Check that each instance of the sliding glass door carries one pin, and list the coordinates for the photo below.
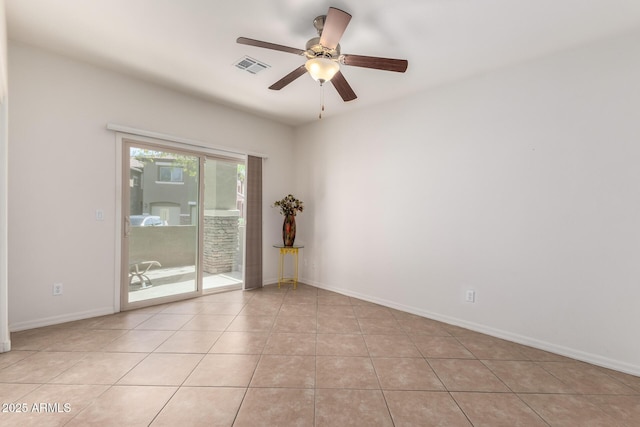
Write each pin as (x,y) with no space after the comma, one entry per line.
(183,224)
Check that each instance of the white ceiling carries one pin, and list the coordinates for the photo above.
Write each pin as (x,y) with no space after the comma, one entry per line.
(190,45)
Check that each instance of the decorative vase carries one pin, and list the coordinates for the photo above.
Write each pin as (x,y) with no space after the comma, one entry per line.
(289,230)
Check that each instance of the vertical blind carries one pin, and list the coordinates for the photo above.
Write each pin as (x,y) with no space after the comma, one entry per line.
(253,260)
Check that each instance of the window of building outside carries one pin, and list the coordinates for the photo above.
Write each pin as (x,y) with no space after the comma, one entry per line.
(170,174)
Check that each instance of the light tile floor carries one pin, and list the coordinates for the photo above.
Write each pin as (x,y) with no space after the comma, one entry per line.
(307,357)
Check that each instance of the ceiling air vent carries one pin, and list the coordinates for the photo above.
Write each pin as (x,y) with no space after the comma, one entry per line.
(251,65)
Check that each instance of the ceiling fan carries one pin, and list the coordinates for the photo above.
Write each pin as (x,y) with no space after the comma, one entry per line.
(324,57)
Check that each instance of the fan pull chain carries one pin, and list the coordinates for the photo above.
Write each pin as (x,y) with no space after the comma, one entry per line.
(321,101)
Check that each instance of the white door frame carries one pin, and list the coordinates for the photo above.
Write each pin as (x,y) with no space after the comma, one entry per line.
(171,143)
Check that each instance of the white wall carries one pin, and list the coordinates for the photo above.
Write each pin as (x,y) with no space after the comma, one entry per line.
(521,184)
(5,343)
(62,168)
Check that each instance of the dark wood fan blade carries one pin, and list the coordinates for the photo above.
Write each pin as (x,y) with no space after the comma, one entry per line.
(288,78)
(387,64)
(343,88)
(267,45)
(334,26)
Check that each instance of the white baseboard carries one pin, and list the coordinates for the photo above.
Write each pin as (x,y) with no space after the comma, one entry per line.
(55,320)
(266,282)
(5,346)
(591,358)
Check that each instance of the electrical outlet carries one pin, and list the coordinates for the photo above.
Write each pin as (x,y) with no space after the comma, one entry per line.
(57,289)
(99,215)
(470,296)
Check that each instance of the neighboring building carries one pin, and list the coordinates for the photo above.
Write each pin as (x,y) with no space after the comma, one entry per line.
(135,186)
(164,181)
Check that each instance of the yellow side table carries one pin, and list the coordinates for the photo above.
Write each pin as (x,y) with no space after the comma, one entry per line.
(284,250)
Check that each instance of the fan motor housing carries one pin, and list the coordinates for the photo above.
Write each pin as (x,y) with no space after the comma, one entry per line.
(314,50)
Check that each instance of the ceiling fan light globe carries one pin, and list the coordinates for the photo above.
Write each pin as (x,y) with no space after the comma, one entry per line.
(322,69)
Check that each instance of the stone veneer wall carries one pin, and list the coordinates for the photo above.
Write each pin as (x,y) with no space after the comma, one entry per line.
(220,243)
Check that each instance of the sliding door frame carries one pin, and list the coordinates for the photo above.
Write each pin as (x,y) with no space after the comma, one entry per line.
(123,140)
